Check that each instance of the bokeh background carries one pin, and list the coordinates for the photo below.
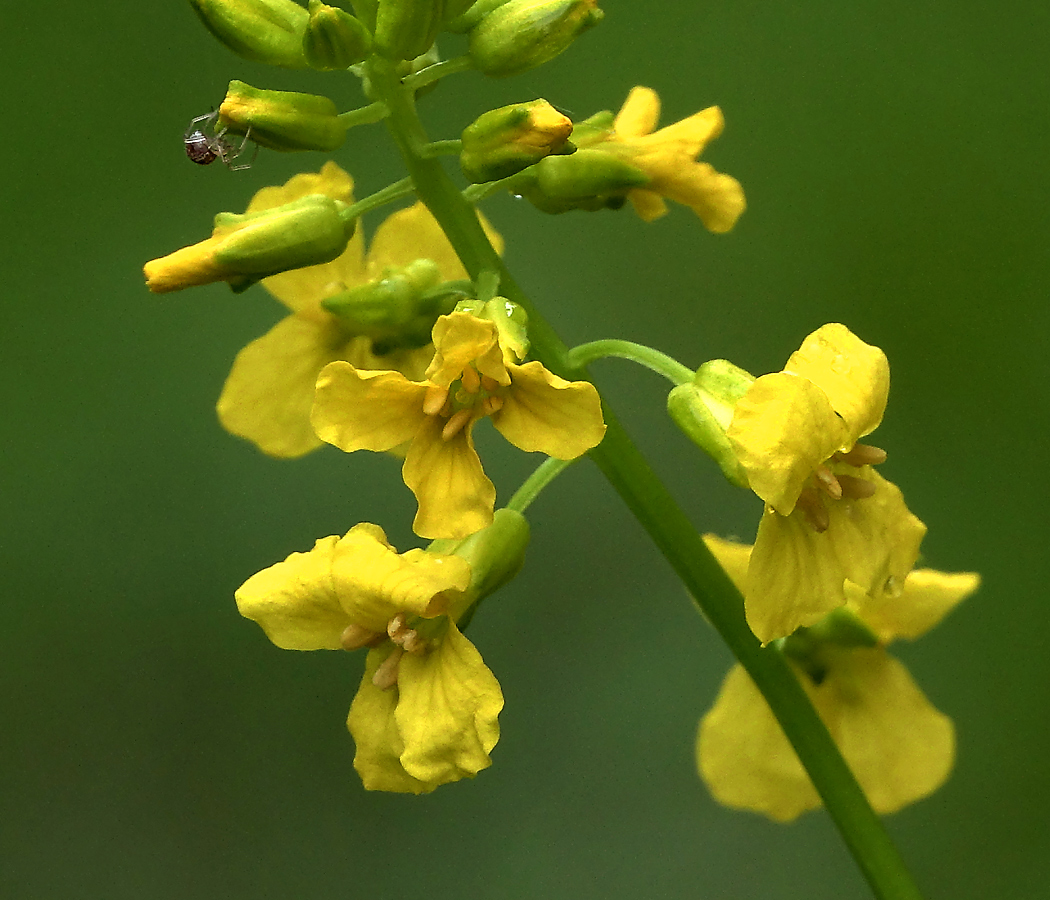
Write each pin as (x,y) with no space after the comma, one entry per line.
(154,744)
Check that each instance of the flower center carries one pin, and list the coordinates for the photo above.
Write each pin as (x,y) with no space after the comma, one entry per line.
(825,484)
(470,397)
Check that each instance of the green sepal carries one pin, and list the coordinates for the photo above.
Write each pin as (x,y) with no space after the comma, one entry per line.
(266,31)
(522,34)
(366,11)
(334,39)
(282,120)
(814,648)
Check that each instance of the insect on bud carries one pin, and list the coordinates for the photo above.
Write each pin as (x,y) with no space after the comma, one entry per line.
(522,34)
(282,120)
(504,141)
(334,39)
(266,31)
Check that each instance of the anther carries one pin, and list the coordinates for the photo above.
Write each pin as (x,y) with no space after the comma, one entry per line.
(355,636)
(470,379)
(828,482)
(490,405)
(812,508)
(489,384)
(862,455)
(455,424)
(386,675)
(856,488)
(396,626)
(434,399)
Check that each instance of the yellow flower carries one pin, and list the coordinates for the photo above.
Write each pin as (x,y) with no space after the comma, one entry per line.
(270,389)
(472,376)
(426,711)
(668,158)
(829,515)
(899,747)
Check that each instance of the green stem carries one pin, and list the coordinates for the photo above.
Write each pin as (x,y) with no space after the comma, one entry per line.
(582,356)
(365,115)
(667,525)
(531,487)
(475,192)
(443,148)
(437,71)
(389,194)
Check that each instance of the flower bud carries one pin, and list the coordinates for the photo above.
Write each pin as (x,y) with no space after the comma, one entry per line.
(282,120)
(475,12)
(246,248)
(267,31)
(406,29)
(334,39)
(704,408)
(522,34)
(588,179)
(504,141)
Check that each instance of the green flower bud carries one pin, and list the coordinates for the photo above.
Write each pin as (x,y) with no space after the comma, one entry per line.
(399,309)
(282,120)
(334,39)
(267,31)
(588,180)
(366,11)
(406,29)
(522,34)
(504,141)
(474,14)
(246,248)
(704,408)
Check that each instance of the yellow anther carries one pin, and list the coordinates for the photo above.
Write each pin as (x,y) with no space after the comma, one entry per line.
(491,405)
(856,488)
(456,424)
(434,399)
(354,637)
(813,509)
(471,380)
(862,455)
(828,483)
(386,675)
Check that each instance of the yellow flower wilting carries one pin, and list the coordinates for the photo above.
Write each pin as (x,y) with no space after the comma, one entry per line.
(426,711)
(899,747)
(668,157)
(270,389)
(473,375)
(829,516)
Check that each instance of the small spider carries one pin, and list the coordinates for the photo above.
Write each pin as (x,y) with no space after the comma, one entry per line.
(204,145)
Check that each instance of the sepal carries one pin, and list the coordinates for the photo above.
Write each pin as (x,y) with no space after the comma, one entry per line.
(266,31)
(334,39)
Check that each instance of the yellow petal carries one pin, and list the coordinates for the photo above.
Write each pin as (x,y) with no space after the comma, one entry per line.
(732,556)
(928,596)
(542,412)
(455,497)
(782,429)
(357,410)
(691,134)
(794,578)
(447,711)
(296,601)
(898,745)
(379,744)
(462,339)
(744,757)
(186,267)
(649,205)
(270,389)
(875,539)
(716,198)
(639,114)
(331,181)
(855,376)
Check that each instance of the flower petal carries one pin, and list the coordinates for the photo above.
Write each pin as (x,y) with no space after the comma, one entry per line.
(782,429)
(462,339)
(649,205)
(270,389)
(928,596)
(447,711)
(794,578)
(718,199)
(744,757)
(374,728)
(455,497)
(732,556)
(542,412)
(855,376)
(296,601)
(369,410)
(639,114)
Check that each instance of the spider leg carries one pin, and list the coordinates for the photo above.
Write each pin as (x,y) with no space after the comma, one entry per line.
(210,116)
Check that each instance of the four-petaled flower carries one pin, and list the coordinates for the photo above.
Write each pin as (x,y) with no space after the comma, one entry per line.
(829,516)
(270,389)
(472,375)
(426,711)
(899,747)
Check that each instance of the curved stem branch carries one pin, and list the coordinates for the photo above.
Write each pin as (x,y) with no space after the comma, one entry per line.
(583,355)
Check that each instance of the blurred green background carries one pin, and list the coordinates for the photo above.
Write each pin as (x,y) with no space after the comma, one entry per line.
(154,744)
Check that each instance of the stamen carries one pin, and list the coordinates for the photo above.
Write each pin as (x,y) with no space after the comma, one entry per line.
(470,379)
(862,455)
(454,425)
(355,636)
(386,675)
(396,626)
(828,483)
(490,405)
(489,384)
(812,508)
(856,488)
(434,399)
(412,642)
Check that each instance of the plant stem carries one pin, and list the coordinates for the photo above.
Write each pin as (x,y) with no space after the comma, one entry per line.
(389,194)
(582,356)
(364,115)
(668,526)
(530,488)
